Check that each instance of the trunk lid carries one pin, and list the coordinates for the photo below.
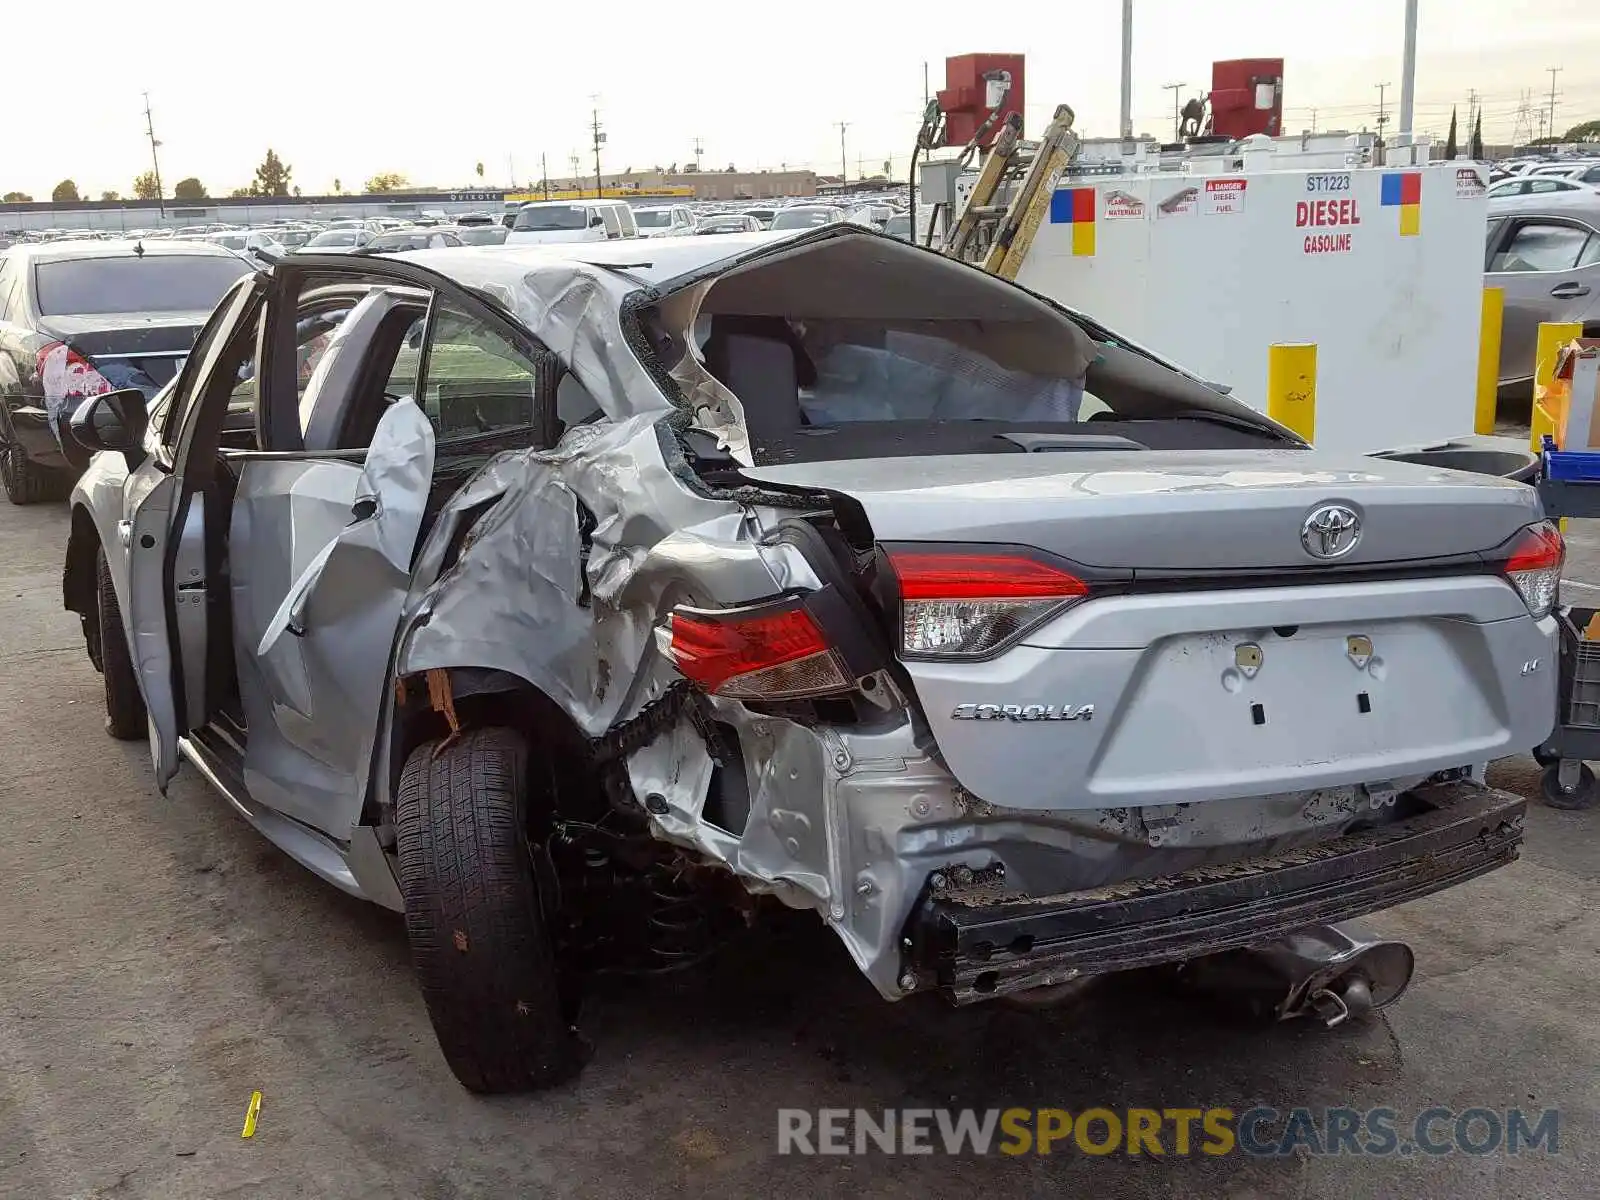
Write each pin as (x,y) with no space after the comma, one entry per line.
(1172,510)
(130,350)
(1248,668)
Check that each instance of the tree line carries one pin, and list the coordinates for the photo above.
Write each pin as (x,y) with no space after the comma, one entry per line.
(273,177)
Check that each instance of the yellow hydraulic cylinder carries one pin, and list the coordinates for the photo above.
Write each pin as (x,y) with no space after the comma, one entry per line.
(1494,309)
(1292,386)
(1552,336)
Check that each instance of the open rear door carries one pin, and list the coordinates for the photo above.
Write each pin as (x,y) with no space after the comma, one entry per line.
(169,567)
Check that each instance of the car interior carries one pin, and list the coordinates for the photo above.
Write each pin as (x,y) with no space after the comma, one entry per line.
(836,355)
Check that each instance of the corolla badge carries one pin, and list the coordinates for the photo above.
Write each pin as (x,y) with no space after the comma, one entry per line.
(1023,712)
(1331,531)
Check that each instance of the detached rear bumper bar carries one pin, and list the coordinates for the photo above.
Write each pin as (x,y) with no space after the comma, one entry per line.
(977,947)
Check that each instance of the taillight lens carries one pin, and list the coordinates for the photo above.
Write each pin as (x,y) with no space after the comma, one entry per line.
(961,604)
(66,377)
(767,652)
(1534,566)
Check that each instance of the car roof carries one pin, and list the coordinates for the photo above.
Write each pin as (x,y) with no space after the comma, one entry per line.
(63,251)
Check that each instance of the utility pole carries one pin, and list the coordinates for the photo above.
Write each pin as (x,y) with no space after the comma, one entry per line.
(1554,71)
(1126,112)
(699,149)
(544,174)
(1177,108)
(1313,118)
(925,95)
(577,183)
(1408,71)
(1383,118)
(599,140)
(844,165)
(1472,108)
(155,161)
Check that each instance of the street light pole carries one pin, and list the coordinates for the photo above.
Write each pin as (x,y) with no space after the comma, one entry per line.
(599,140)
(844,165)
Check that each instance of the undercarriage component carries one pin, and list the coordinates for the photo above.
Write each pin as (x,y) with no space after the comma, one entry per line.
(974,945)
(1332,972)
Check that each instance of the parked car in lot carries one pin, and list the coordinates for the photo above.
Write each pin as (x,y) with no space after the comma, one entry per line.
(572,221)
(483,235)
(1547,261)
(664,220)
(729,223)
(336,241)
(582,632)
(78,318)
(807,216)
(400,240)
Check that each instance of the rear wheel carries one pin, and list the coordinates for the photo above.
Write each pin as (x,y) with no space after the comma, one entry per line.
(125,713)
(480,937)
(26,482)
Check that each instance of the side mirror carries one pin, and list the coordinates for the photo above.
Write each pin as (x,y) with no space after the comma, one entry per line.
(113,421)
(595,222)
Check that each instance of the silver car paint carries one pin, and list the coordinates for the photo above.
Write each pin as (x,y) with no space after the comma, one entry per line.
(313,641)
(848,821)
(1170,510)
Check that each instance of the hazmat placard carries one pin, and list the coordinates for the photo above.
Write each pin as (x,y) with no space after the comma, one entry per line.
(1121,206)
(1185,202)
(1075,207)
(1223,197)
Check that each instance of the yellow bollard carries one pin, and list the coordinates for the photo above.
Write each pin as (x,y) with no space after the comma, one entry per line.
(1494,308)
(1552,336)
(1292,386)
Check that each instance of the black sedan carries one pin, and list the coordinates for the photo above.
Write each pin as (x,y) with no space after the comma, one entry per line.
(85,317)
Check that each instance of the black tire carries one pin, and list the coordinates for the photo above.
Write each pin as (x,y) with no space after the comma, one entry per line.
(479,935)
(26,482)
(125,713)
(1580,797)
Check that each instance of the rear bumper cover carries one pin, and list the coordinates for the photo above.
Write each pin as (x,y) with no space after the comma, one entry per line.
(976,946)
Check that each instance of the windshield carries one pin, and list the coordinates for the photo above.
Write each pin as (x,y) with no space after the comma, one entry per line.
(803,218)
(551,218)
(334,237)
(483,235)
(653,218)
(153,283)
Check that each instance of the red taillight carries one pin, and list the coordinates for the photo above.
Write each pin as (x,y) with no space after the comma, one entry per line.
(763,653)
(936,575)
(65,376)
(1534,566)
(969,604)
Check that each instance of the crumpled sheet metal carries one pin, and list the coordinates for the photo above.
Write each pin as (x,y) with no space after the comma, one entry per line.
(514,601)
(369,556)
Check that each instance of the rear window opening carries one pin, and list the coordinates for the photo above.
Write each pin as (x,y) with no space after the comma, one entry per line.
(844,350)
(550,219)
(135,284)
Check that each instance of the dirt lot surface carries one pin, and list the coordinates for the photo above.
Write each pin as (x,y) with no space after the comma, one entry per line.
(159,961)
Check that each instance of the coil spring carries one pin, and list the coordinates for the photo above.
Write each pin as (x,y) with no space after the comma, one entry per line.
(679,931)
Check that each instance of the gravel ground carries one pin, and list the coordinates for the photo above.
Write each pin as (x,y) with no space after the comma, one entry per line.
(159,960)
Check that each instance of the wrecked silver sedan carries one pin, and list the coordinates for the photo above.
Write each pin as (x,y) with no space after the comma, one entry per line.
(580,602)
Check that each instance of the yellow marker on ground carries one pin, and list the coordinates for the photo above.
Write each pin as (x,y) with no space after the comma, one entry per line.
(250,1115)
(1494,309)
(1292,386)
(1552,336)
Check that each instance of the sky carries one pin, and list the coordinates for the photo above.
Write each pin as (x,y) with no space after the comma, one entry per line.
(347,92)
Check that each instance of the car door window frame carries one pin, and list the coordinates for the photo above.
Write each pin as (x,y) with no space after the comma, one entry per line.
(445,292)
(191,379)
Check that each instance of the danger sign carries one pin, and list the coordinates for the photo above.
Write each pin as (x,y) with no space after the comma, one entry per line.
(1223,197)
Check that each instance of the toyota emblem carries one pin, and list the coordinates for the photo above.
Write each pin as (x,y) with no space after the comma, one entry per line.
(1331,531)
